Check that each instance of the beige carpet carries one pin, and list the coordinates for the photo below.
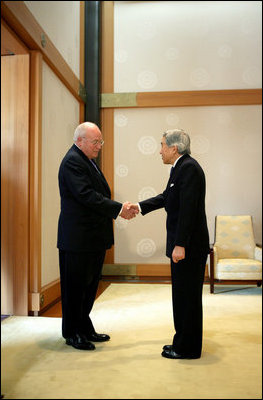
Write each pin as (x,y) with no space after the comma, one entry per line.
(36,363)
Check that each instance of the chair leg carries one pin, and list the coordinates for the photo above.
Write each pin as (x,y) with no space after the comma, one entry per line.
(211,270)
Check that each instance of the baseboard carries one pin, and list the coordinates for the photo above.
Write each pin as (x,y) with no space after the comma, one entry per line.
(138,270)
(49,295)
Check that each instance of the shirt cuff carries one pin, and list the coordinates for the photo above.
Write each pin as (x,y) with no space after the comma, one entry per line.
(120,211)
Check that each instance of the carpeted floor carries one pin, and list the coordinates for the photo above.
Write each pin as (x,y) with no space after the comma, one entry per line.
(36,363)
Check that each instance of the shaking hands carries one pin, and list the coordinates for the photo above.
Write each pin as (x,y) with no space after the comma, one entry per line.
(129,210)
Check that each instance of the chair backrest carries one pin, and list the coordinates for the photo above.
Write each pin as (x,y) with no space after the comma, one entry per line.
(234,237)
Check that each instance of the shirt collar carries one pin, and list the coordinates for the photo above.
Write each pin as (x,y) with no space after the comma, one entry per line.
(177,160)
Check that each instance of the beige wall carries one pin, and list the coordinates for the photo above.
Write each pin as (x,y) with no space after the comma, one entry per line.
(185,45)
(227,143)
(60,118)
(173,46)
(60,21)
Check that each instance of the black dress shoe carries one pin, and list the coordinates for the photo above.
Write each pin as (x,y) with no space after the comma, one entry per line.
(80,342)
(167,347)
(170,353)
(98,337)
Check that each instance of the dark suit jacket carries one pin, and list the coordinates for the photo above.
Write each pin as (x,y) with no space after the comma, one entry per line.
(184,202)
(85,221)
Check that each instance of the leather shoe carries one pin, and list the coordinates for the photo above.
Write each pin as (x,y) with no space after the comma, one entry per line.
(80,342)
(98,337)
(170,353)
(167,347)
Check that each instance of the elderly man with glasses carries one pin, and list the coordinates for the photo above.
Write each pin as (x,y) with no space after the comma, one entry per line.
(85,232)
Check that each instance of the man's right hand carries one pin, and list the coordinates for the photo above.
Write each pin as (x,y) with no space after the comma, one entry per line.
(129,210)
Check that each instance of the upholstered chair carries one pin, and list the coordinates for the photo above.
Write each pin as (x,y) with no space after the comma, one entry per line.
(234,257)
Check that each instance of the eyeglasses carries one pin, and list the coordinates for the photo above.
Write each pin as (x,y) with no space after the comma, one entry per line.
(95,142)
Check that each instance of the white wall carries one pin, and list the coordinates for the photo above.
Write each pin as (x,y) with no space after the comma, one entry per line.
(185,45)
(60,116)
(61,22)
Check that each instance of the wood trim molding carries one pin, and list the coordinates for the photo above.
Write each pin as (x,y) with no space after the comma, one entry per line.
(107,46)
(46,297)
(23,23)
(107,86)
(153,270)
(35,177)
(10,43)
(140,270)
(136,269)
(50,294)
(182,99)
(200,98)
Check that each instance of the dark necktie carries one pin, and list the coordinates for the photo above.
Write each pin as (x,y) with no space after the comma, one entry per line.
(95,166)
(172,169)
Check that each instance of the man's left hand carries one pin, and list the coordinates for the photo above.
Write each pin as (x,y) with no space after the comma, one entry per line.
(178,254)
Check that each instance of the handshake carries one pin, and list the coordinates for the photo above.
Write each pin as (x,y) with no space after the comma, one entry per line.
(129,210)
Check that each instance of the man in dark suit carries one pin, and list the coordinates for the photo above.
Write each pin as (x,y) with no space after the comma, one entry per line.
(187,241)
(85,231)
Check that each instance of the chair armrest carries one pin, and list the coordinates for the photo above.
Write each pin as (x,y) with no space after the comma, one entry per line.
(258,253)
(213,258)
(215,255)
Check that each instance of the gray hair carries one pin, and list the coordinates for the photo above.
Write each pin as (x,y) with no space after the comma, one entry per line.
(179,138)
(81,131)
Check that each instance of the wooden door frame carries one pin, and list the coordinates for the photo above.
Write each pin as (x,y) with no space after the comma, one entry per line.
(16,228)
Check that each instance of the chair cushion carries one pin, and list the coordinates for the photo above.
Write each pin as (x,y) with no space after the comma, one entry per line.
(234,236)
(258,253)
(238,268)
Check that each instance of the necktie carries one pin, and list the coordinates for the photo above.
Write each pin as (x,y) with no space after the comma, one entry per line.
(95,166)
(172,169)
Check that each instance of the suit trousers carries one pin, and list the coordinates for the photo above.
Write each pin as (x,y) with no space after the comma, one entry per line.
(80,273)
(187,288)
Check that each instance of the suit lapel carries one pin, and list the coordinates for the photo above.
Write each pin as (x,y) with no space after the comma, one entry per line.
(178,164)
(175,171)
(99,175)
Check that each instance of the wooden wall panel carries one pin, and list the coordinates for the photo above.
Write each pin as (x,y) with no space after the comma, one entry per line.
(194,98)
(199,98)
(35,155)
(15,181)
(10,44)
(107,47)
(107,86)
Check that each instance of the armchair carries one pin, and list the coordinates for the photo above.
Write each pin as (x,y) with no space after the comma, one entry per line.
(234,257)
